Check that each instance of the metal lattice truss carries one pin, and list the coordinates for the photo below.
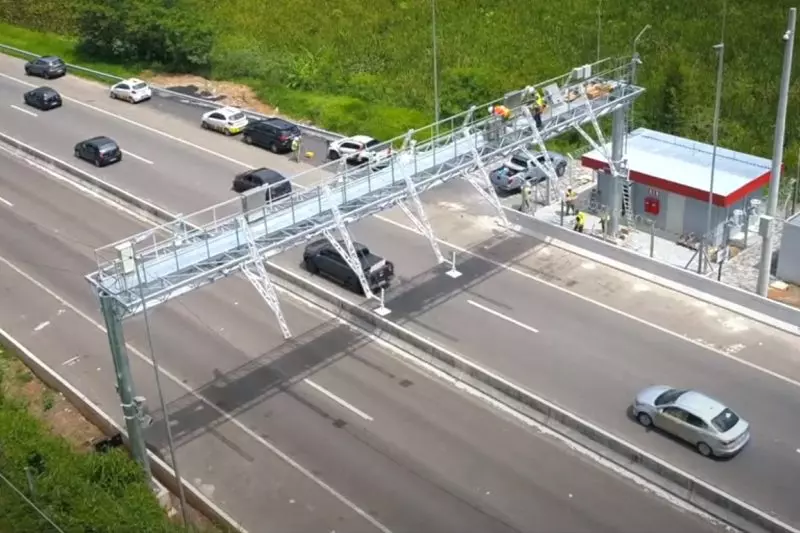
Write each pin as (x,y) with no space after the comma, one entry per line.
(181,256)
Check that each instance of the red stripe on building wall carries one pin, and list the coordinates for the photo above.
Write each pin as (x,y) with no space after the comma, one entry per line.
(685,190)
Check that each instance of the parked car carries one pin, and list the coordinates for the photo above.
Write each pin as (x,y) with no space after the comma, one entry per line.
(275,134)
(692,416)
(359,149)
(133,90)
(47,67)
(43,98)
(258,177)
(320,257)
(520,167)
(227,120)
(100,150)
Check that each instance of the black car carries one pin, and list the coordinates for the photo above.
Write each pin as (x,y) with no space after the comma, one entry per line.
(47,67)
(101,151)
(258,177)
(273,133)
(43,98)
(320,257)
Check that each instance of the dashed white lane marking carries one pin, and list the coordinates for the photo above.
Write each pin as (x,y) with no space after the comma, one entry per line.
(71,361)
(137,124)
(6,202)
(500,315)
(140,158)
(42,325)
(23,110)
(205,401)
(338,400)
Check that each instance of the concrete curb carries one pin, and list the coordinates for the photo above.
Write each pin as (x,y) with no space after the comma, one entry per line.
(741,302)
(162,472)
(692,489)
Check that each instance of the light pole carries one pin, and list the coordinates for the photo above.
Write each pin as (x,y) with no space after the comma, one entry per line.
(599,25)
(635,59)
(777,156)
(720,48)
(435,66)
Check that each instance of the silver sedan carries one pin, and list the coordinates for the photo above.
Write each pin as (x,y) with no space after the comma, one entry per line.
(693,417)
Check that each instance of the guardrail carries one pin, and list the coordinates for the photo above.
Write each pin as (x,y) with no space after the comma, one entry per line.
(305,128)
(162,472)
(703,495)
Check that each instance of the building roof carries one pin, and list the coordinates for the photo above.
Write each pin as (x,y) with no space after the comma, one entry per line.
(678,165)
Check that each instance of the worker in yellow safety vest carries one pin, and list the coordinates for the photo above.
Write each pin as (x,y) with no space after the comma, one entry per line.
(296,149)
(580,222)
(538,109)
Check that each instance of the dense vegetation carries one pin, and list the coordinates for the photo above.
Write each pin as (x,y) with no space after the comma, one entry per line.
(80,492)
(357,65)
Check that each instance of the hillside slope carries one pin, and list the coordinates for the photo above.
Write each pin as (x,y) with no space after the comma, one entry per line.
(353,64)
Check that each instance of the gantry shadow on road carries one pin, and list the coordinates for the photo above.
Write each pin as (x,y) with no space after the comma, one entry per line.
(276,371)
(272,373)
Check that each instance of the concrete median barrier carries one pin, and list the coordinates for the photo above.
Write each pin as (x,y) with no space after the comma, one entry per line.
(747,304)
(683,485)
(162,472)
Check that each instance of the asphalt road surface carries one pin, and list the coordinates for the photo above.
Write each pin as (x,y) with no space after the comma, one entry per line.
(583,356)
(399,450)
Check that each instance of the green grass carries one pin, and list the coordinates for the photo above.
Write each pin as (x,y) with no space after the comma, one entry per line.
(81,492)
(359,66)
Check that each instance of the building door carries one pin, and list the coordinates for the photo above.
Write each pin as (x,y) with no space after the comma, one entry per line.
(676,205)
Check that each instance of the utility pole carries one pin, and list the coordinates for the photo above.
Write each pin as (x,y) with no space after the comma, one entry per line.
(720,48)
(777,159)
(635,59)
(435,66)
(130,410)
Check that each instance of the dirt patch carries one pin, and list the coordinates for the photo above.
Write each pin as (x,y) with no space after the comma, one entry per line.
(221,92)
(791,296)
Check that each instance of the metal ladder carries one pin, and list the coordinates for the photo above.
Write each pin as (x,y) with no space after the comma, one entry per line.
(627,190)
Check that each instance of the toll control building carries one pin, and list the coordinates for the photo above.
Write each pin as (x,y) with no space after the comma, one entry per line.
(670,183)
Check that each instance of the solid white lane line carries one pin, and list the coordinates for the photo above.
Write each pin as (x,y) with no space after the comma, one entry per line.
(138,124)
(338,400)
(31,113)
(514,270)
(6,202)
(498,314)
(224,414)
(41,326)
(140,158)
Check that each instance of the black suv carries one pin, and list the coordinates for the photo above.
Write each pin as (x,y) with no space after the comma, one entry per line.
(263,176)
(47,67)
(101,151)
(320,257)
(273,133)
(43,98)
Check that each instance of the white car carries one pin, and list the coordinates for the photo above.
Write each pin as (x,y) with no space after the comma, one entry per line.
(227,120)
(359,149)
(133,90)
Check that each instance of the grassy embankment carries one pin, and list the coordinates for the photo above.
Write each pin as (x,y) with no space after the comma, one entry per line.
(78,489)
(358,66)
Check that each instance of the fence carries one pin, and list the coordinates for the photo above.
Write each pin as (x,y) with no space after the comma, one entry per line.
(163,91)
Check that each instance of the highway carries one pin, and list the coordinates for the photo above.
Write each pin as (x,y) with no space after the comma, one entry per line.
(383,437)
(582,355)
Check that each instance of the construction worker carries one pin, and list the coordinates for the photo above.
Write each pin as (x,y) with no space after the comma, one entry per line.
(296,149)
(526,193)
(604,218)
(580,221)
(502,112)
(538,109)
(571,197)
